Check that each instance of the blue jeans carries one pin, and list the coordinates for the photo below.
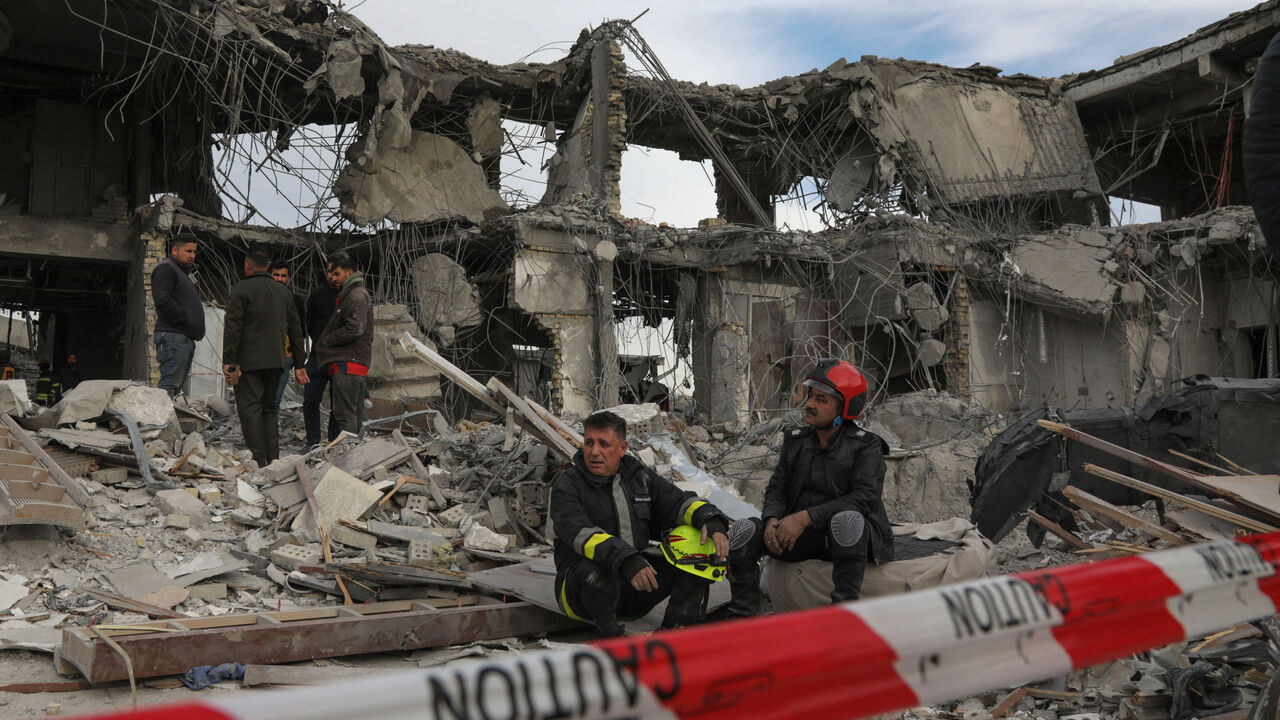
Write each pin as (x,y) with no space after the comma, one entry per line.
(284,380)
(174,352)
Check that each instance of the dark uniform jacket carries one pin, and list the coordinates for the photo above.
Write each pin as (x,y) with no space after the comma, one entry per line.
(260,315)
(178,307)
(848,475)
(320,305)
(609,520)
(1262,145)
(348,337)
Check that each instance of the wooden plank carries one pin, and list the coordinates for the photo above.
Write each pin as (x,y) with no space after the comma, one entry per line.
(1157,491)
(1008,702)
(566,431)
(1260,493)
(155,654)
(1128,519)
(121,602)
(545,433)
(449,370)
(1058,531)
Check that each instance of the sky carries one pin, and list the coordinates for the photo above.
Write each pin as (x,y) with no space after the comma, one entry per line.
(748,42)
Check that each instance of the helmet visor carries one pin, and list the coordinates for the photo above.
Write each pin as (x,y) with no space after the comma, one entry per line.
(823,387)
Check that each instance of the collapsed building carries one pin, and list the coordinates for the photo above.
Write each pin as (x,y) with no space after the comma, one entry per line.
(968,246)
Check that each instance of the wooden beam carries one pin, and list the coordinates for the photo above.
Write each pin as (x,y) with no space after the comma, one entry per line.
(271,638)
(1257,493)
(1098,505)
(545,432)
(1157,491)
(1058,531)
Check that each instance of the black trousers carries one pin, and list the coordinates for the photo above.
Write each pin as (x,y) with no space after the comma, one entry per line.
(845,544)
(591,592)
(259,421)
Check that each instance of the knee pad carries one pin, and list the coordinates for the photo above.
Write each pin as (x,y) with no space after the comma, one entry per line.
(742,532)
(847,527)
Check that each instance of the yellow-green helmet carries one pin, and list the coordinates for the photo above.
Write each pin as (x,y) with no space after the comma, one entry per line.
(683,547)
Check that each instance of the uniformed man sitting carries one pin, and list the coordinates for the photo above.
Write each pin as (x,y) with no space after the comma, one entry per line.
(824,499)
(605,509)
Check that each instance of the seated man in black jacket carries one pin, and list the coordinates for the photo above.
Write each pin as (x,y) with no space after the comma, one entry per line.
(824,499)
(605,508)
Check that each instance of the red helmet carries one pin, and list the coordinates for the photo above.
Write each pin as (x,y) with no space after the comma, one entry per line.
(839,378)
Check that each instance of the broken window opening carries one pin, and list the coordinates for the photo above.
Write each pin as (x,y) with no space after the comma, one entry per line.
(525,162)
(284,179)
(651,368)
(658,187)
(1125,211)
(805,208)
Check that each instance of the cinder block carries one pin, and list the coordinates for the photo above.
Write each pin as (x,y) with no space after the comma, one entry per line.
(291,556)
(417,503)
(454,516)
(421,552)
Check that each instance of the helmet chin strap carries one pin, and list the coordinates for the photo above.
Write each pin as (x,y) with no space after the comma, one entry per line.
(837,422)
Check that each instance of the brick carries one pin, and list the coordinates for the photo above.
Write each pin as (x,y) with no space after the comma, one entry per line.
(421,552)
(208,493)
(417,503)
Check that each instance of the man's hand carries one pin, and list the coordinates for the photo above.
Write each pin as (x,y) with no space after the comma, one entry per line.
(771,534)
(301,376)
(721,541)
(646,580)
(231,373)
(790,527)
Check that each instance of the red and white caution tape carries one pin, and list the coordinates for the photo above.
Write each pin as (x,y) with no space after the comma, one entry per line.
(851,661)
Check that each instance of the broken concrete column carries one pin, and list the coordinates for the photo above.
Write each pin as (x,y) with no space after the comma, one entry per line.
(396,374)
(446,299)
(430,179)
(930,352)
(924,307)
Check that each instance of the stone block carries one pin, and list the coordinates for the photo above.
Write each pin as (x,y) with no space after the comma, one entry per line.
(208,493)
(207,591)
(110,476)
(930,352)
(352,537)
(191,537)
(281,469)
(479,537)
(181,502)
(499,515)
(340,496)
(177,520)
(292,556)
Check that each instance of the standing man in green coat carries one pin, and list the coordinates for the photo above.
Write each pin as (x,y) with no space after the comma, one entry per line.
(260,316)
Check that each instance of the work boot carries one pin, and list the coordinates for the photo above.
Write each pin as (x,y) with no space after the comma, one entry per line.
(687,604)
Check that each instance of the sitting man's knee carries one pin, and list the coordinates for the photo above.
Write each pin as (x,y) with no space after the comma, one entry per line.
(847,528)
(745,533)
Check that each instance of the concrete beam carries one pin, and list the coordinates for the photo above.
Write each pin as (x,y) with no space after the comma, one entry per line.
(64,238)
(1115,80)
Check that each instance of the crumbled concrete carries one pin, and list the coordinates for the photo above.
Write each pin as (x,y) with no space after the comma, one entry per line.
(429,180)
(446,298)
(181,502)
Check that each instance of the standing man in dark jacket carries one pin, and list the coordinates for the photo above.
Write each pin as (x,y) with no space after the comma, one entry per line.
(1262,145)
(824,499)
(320,306)
(345,349)
(261,317)
(605,508)
(281,273)
(179,315)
